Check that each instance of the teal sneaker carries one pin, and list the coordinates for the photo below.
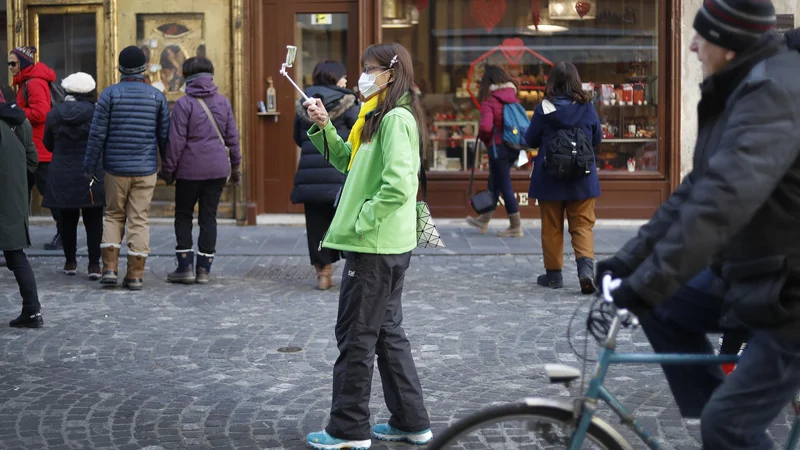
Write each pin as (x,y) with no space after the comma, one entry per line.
(386,432)
(321,440)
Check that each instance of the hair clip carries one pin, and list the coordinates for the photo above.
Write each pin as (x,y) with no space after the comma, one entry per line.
(393,62)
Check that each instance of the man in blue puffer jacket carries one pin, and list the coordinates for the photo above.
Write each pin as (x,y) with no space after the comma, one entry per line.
(129,128)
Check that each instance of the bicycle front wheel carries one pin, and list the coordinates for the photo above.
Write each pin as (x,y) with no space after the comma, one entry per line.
(525,426)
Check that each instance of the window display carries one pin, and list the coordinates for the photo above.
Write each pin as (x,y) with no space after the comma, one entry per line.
(613,43)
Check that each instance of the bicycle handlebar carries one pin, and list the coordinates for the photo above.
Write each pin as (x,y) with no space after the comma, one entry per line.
(609,284)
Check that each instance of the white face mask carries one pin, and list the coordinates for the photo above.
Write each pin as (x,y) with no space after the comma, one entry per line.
(367,86)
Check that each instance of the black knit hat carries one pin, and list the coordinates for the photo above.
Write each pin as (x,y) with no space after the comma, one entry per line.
(25,56)
(132,61)
(734,24)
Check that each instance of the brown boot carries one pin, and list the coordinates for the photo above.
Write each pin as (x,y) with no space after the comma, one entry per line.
(324,281)
(135,272)
(515,229)
(481,222)
(110,266)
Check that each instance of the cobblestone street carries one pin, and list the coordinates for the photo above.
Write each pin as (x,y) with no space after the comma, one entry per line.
(199,367)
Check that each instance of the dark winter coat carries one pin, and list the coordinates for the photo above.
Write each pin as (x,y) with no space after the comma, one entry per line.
(738,207)
(316,180)
(65,135)
(547,120)
(195,151)
(129,127)
(490,128)
(19,156)
(33,96)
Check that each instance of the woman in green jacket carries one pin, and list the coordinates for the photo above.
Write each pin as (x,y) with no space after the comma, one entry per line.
(375,226)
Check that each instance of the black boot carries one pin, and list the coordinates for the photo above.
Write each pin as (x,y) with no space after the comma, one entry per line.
(54,244)
(28,320)
(204,267)
(185,271)
(551,279)
(586,275)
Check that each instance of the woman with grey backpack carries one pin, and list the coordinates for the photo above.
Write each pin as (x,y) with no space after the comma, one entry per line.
(203,153)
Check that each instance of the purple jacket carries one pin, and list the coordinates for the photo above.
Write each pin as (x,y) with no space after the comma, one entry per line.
(194,151)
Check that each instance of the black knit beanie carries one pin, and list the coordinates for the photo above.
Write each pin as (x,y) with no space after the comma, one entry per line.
(25,56)
(132,61)
(734,24)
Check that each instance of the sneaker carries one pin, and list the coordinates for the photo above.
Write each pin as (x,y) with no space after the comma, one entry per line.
(70,268)
(28,320)
(321,440)
(54,244)
(386,432)
(94,272)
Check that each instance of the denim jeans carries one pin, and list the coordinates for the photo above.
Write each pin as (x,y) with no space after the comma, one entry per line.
(736,410)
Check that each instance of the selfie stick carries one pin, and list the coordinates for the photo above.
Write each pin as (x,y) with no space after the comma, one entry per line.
(291,52)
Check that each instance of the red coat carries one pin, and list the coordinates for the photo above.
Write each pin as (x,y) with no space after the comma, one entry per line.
(37,105)
(492,112)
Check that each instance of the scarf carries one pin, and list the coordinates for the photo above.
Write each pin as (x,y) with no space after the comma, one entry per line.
(355,133)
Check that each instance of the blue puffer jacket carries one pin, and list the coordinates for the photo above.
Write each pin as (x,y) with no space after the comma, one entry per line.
(129,128)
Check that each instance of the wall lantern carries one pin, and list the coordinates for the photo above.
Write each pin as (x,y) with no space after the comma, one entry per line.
(399,14)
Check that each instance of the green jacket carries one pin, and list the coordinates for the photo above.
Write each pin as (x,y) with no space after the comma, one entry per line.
(377,209)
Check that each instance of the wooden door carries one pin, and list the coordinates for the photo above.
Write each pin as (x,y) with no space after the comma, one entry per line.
(321,31)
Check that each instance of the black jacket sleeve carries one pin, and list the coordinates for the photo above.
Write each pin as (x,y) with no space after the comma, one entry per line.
(758,147)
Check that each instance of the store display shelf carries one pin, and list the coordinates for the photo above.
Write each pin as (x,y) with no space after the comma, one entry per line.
(454,123)
(525,87)
(630,141)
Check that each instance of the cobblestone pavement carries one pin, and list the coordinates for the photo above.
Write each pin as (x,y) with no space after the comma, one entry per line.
(198,367)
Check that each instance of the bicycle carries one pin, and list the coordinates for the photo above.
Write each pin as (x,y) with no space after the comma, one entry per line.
(576,418)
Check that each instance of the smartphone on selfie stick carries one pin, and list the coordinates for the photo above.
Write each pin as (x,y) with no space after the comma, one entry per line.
(291,53)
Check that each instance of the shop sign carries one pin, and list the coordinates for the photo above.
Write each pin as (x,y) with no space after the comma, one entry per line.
(609,17)
(785,22)
(321,19)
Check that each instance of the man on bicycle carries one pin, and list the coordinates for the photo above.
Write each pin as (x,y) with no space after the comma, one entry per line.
(737,211)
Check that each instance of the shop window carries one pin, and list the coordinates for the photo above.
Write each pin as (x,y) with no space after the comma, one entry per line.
(68,42)
(613,43)
(4,75)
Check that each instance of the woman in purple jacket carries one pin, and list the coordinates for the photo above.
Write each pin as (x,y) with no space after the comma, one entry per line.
(203,151)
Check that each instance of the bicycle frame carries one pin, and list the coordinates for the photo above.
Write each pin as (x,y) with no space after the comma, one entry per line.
(597,391)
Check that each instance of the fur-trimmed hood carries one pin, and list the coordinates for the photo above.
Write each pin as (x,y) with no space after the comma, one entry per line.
(336,100)
(509,84)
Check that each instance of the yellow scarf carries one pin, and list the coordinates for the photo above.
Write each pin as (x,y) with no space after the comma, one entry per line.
(355,133)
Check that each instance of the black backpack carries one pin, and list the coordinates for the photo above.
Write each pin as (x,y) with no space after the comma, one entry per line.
(569,155)
(57,93)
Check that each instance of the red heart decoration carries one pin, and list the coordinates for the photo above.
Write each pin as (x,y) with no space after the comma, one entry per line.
(487,13)
(421,4)
(513,49)
(583,8)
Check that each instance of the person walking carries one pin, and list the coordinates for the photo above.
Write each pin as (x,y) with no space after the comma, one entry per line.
(130,127)
(566,107)
(68,190)
(19,156)
(375,225)
(734,214)
(32,80)
(317,183)
(497,89)
(203,151)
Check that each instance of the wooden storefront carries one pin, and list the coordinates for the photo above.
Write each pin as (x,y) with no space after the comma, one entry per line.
(624,43)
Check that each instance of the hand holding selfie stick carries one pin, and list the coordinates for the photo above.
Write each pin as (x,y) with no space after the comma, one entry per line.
(291,52)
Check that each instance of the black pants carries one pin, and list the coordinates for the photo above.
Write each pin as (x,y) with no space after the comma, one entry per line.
(92,223)
(500,177)
(18,263)
(370,322)
(39,179)
(187,194)
(318,218)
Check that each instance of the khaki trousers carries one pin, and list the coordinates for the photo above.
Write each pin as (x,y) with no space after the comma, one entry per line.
(581,218)
(128,199)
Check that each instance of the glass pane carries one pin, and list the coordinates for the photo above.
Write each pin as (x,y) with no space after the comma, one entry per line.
(68,43)
(4,76)
(614,47)
(318,37)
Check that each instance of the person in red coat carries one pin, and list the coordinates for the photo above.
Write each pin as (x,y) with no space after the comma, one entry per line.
(32,80)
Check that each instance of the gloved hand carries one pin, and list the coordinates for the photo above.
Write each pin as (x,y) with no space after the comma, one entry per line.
(625,297)
(236,175)
(613,265)
(88,176)
(167,177)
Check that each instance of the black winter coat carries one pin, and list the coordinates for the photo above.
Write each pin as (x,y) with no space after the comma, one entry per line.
(18,155)
(316,180)
(738,210)
(65,135)
(129,128)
